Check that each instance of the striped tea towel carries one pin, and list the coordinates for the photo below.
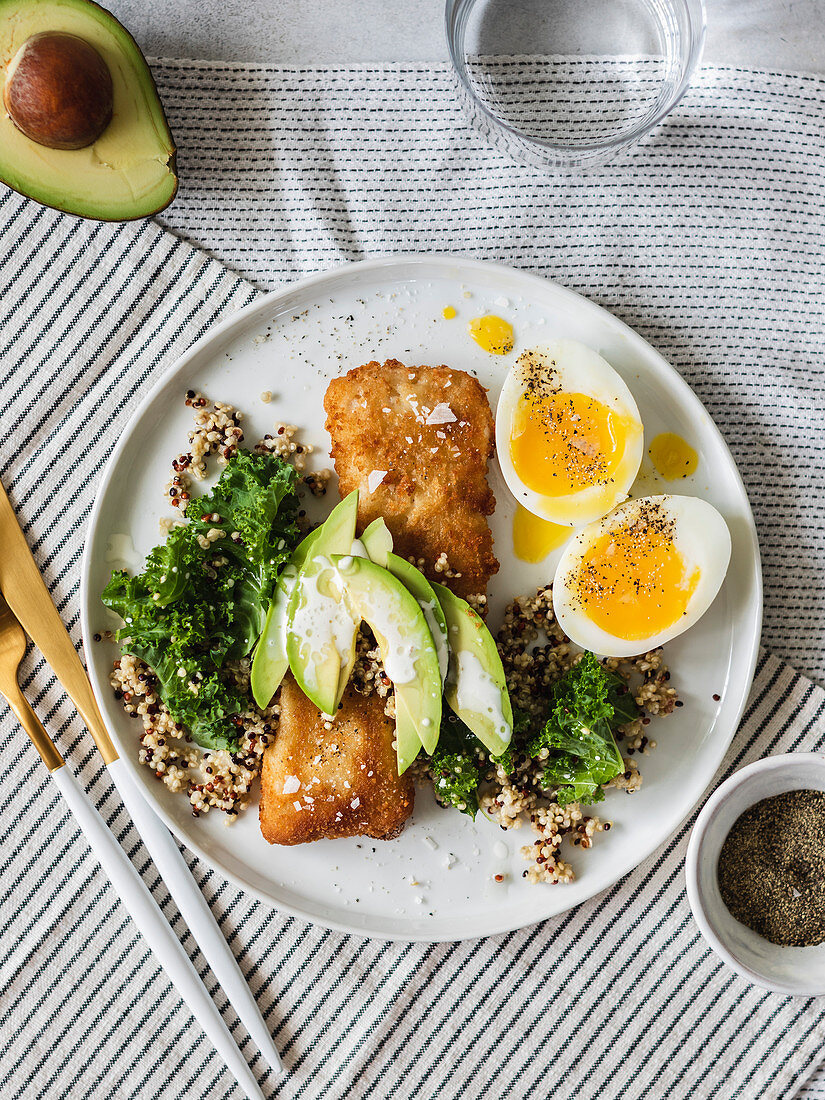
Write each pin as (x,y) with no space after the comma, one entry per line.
(712,246)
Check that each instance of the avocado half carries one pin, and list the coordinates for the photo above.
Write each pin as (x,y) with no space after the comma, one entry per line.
(129,170)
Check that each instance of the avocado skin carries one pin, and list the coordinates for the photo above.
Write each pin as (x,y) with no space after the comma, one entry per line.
(95,209)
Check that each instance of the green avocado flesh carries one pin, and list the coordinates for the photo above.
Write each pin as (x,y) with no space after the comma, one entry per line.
(377,541)
(407,651)
(129,172)
(271,661)
(321,633)
(476,688)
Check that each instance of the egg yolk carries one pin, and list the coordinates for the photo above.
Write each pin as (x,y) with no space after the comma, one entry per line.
(448,312)
(534,537)
(633,582)
(561,443)
(672,456)
(492,333)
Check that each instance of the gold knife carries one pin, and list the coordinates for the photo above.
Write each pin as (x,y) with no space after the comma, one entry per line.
(26,594)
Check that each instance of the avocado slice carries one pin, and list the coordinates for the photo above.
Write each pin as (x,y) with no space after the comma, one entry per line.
(321,631)
(378,543)
(407,741)
(476,688)
(128,171)
(407,649)
(270,662)
(416,583)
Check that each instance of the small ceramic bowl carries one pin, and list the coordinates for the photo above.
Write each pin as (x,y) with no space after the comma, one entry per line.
(799,971)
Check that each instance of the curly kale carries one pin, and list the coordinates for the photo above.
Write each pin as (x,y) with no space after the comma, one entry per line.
(587,706)
(458,765)
(185,618)
(460,761)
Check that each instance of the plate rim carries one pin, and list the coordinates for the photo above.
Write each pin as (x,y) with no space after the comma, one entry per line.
(238,319)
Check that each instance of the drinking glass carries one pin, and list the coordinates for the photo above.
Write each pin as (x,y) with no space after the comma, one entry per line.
(572,83)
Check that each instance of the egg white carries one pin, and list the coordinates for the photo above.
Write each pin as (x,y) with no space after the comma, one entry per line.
(700,535)
(577,369)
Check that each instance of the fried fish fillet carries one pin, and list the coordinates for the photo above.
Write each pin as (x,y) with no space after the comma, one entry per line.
(318,782)
(415,441)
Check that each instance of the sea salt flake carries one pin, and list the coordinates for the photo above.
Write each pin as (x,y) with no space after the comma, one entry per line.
(374,479)
(356,802)
(291,784)
(441,414)
(297,805)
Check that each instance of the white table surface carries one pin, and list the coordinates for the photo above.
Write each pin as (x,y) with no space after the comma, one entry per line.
(766,34)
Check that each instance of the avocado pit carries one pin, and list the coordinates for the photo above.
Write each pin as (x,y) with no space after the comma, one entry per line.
(58,91)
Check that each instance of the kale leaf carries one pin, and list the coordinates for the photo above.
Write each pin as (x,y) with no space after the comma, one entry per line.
(458,764)
(185,618)
(460,761)
(588,704)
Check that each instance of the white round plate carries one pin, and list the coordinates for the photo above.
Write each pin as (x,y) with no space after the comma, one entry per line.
(436,881)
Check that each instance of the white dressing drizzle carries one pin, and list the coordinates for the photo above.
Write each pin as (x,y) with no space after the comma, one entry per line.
(320,618)
(477,691)
(441,648)
(399,655)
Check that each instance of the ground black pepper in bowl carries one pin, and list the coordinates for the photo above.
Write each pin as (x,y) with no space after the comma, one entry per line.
(771,868)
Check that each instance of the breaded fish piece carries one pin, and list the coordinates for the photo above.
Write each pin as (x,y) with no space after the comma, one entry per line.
(415,441)
(318,782)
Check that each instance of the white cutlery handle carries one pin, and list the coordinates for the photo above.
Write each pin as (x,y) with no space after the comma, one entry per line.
(193,908)
(154,928)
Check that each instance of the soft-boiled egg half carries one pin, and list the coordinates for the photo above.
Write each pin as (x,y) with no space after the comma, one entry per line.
(641,575)
(568,434)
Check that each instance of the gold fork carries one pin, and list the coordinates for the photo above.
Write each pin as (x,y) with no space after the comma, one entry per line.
(127,882)
(12,651)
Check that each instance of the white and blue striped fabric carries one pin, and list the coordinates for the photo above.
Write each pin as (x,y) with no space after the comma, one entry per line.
(711,242)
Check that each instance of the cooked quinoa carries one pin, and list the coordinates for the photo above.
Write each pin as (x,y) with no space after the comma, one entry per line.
(218,432)
(534,651)
(211,779)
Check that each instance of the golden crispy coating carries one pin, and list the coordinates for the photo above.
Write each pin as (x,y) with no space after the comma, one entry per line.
(429,431)
(319,782)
